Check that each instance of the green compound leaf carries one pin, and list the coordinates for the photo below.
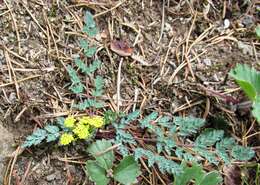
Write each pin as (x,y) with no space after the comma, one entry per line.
(90,25)
(188,125)
(242,153)
(196,173)
(248,79)
(84,44)
(96,173)
(52,132)
(146,122)
(223,146)
(127,171)
(76,86)
(99,84)
(105,160)
(36,138)
(88,70)
(90,52)
(164,165)
(209,137)
(89,103)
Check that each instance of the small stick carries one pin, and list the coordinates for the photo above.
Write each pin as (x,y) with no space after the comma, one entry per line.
(109,10)
(20,114)
(14,76)
(18,81)
(15,26)
(107,150)
(34,19)
(163,22)
(118,85)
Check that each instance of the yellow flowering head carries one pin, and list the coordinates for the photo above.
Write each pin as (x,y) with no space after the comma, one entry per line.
(82,131)
(97,121)
(69,122)
(66,139)
(85,120)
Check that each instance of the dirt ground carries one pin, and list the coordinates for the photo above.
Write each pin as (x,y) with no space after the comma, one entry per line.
(183,52)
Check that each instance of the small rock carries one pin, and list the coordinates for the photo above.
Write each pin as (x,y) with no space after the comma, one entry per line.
(246,49)
(6,149)
(226,23)
(207,61)
(12,97)
(215,77)
(248,21)
(51,177)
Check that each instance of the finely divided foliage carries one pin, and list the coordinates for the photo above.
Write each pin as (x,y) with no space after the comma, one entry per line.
(89,70)
(210,144)
(173,135)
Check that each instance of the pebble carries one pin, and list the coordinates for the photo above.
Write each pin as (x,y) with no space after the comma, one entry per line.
(246,49)
(207,61)
(248,21)
(6,149)
(226,23)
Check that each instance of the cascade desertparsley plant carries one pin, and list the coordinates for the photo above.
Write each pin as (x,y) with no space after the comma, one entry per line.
(72,129)
(66,130)
(198,143)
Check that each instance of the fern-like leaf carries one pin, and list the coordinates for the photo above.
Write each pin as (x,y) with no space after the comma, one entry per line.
(90,25)
(88,70)
(36,138)
(242,153)
(164,165)
(99,84)
(76,86)
(146,122)
(52,132)
(181,154)
(223,146)
(89,103)
(210,156)
(209,137)
(188,125)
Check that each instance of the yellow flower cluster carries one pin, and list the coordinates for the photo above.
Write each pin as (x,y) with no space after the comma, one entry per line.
(80,128)
(66,139)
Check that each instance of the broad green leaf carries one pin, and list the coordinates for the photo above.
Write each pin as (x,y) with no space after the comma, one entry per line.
(127,171)
(96,173)
(189,173)
(257,31)
(248,79)
(211,178)
(242,153)
(196,173)
(256,109)
(106,159)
